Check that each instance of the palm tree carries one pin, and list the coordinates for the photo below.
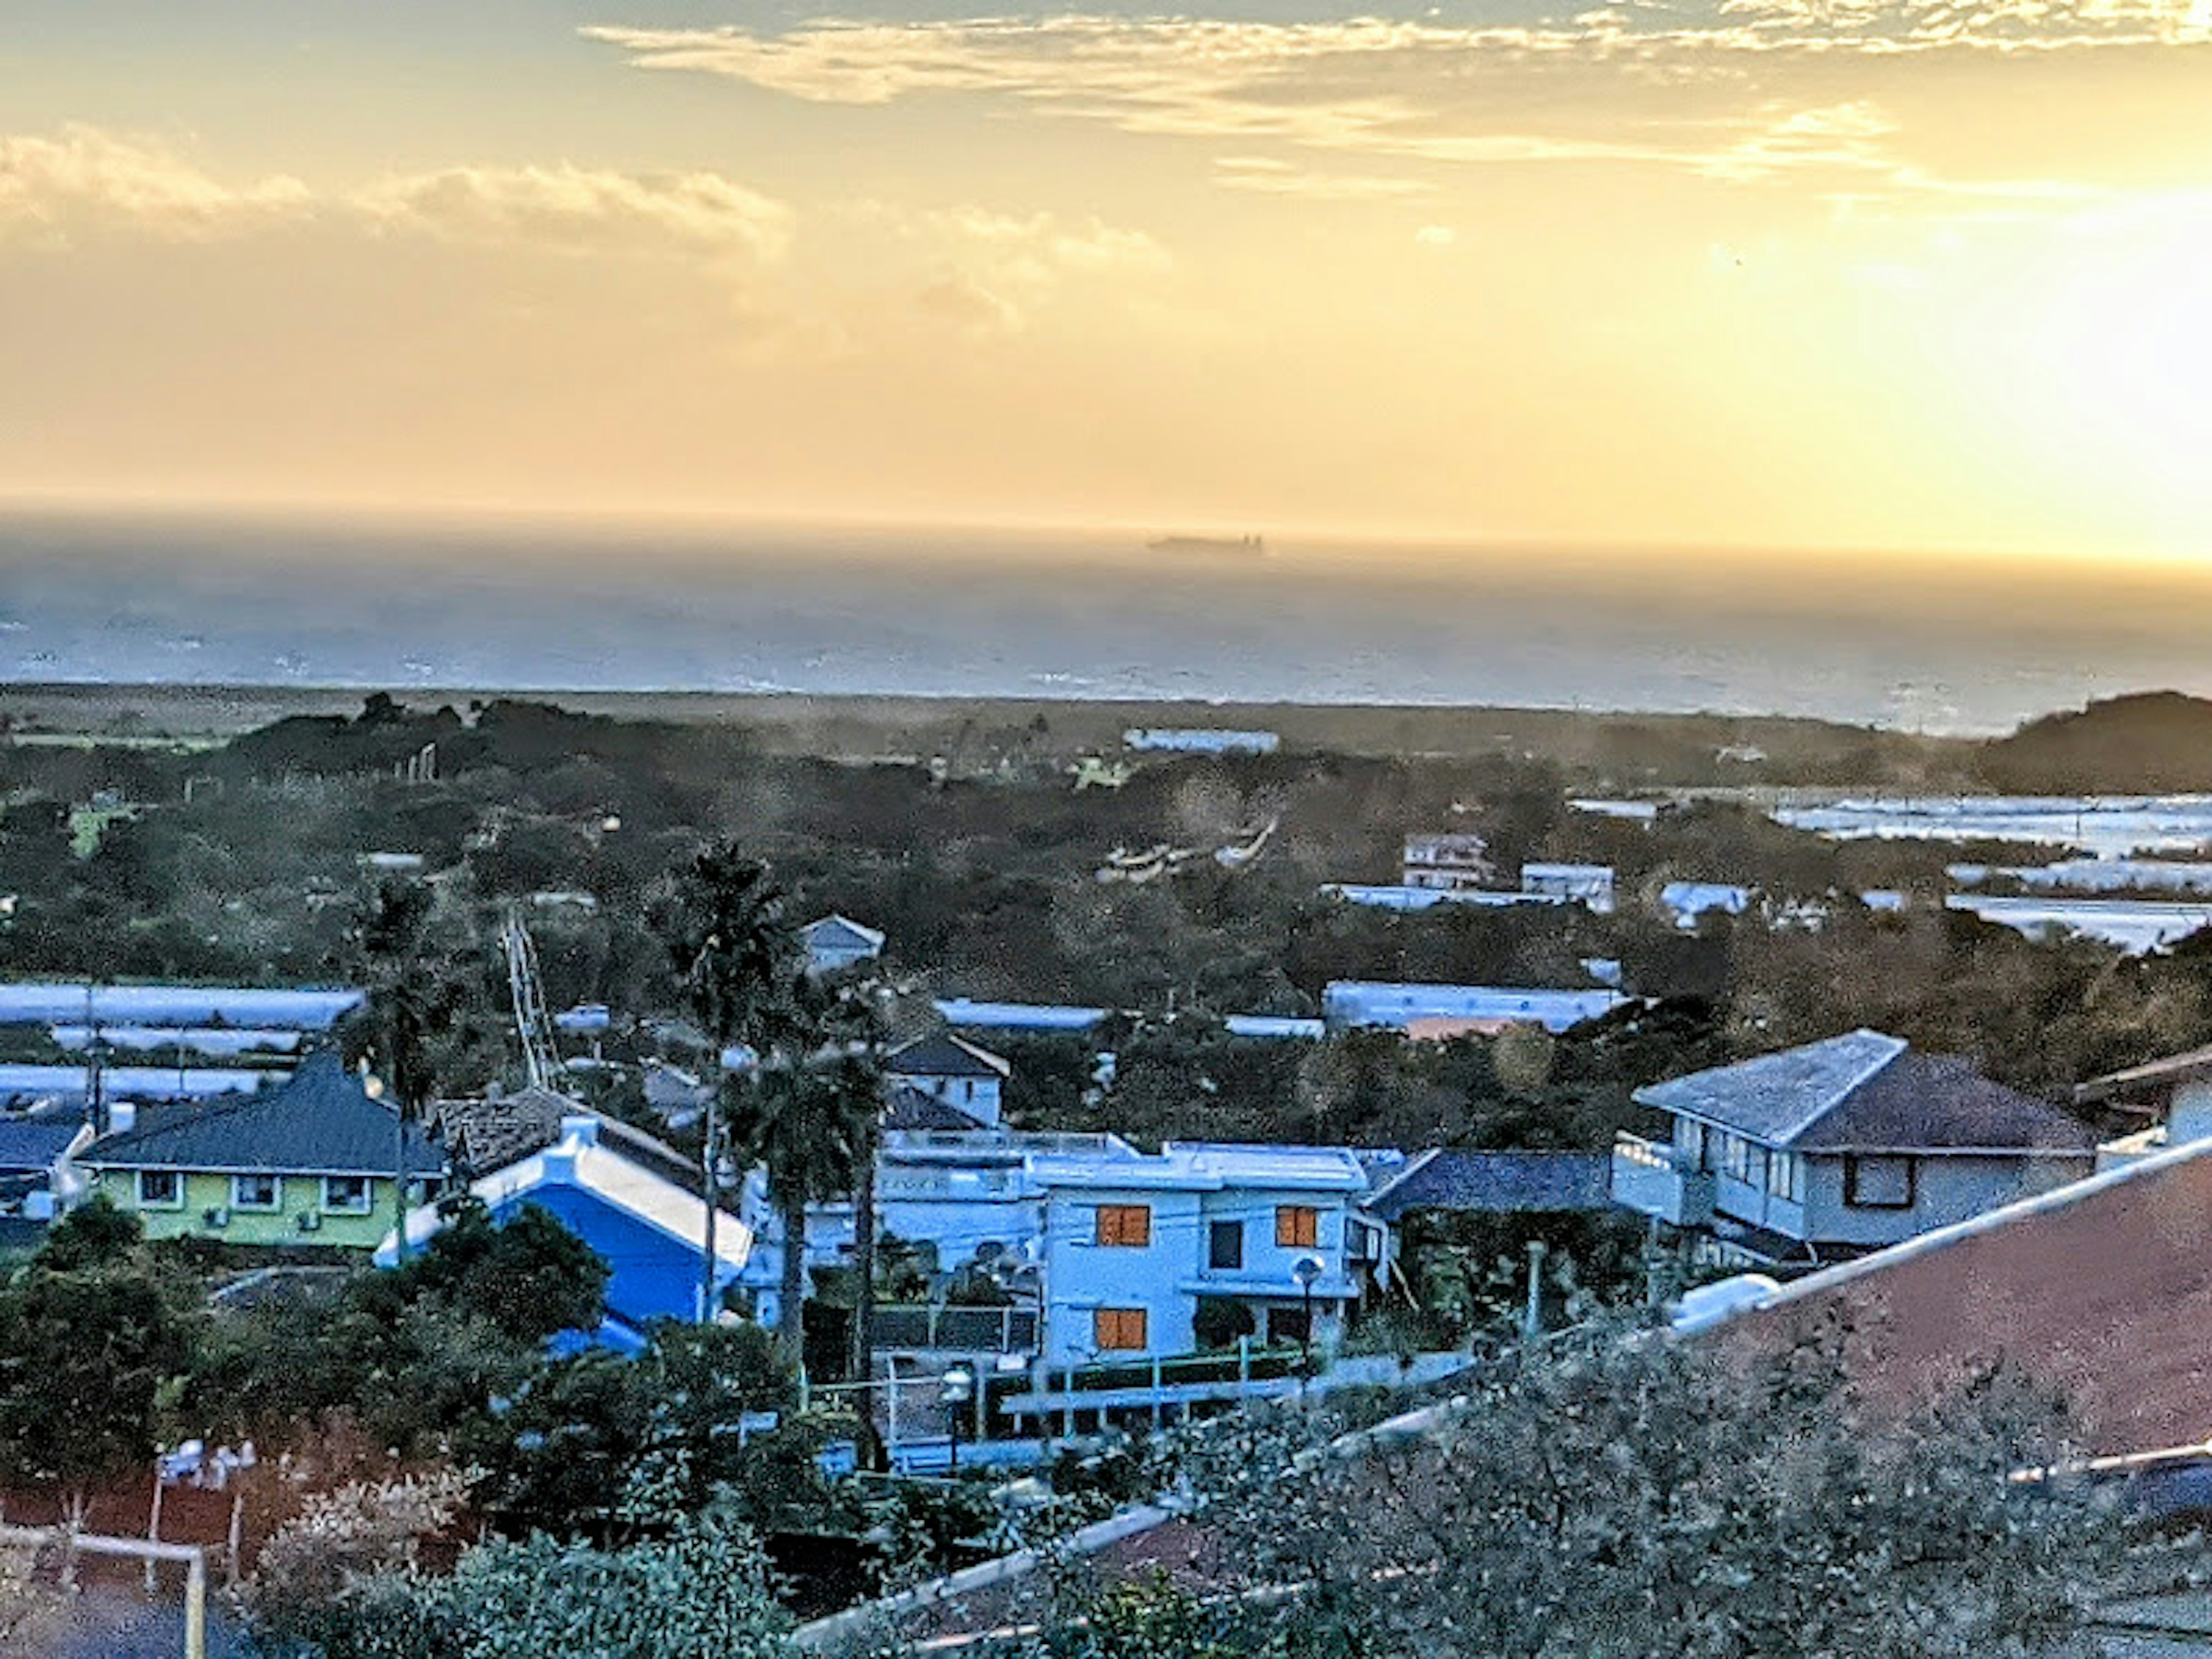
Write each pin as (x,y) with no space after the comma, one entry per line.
(417,1008)
(735,957)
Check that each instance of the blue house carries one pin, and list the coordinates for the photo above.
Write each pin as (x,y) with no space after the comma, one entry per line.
(650,1227)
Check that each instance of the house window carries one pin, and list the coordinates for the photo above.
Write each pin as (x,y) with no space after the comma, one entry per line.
(160,1189)
(1117,1330)
(1124,1223)
(1785,1177)
(1690,1143)
(1297,1226)
(346,1194)
(1878,1184)
(1224,1245)
(1735,1158)
(256,1191)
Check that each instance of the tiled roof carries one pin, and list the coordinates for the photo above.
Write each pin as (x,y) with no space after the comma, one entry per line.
(1864,1091)
(320,1120)
(1495,1183)
(483,1135)
(2102,1287)
(943,1055)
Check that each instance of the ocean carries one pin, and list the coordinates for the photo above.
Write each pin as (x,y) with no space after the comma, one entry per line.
(1939,644)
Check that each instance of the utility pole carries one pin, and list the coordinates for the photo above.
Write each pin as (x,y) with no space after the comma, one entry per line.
(713,1159)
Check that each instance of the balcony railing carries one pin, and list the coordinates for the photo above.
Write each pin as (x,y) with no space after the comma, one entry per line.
(1650,1176)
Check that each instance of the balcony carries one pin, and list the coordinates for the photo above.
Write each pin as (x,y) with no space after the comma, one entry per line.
(1650,1176)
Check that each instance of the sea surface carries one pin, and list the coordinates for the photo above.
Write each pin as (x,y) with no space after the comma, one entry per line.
(1939,644)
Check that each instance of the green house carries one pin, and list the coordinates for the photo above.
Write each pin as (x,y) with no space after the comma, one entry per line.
(308,1161)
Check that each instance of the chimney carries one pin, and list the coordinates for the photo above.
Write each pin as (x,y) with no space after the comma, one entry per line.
(122,1116)
(580,1127)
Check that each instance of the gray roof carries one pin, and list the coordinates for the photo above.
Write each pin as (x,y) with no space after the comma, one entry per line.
(946,1056)
(1495,1183)
(1865,1091)
(909,1108)
(28,1144)
(320,1121)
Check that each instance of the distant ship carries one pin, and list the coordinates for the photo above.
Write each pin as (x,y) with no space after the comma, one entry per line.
(1252,545)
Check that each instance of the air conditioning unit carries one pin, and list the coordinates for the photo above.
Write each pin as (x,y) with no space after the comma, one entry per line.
(311,1220)
(217,1218)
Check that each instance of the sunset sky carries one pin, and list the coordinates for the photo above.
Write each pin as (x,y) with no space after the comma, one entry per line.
(1760,271)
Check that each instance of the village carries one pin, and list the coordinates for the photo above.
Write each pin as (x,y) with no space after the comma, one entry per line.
(976,1256)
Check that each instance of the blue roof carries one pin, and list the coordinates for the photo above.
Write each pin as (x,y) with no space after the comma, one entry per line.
(320,1121)
(50,1002)
(21,1082)
(1019,1016)
(1367,1002)
(36,1143)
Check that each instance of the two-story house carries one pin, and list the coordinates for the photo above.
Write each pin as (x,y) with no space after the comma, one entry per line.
(1839,1147)
(311,1161)
(1136,1246)
(964,1076)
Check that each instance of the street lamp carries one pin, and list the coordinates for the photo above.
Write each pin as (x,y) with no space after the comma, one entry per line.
(959,1389)
(1305,1270)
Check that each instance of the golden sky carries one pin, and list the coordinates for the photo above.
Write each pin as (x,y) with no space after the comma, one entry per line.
(1914,273)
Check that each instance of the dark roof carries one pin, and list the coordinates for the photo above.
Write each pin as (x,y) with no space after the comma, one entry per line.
(1868,1092)
(909,1108)
(946,1056)
(320,1120)
(1496,1182)
(36,1143)
(488,1134)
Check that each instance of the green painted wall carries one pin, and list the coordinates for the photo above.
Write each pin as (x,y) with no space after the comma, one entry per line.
(299,1194)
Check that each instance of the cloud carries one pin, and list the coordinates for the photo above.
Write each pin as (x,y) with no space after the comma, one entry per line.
(583,209)
(54,186)
(1435,236)
(1640,84)
(967,304)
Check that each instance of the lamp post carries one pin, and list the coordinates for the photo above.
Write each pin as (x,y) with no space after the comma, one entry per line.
(959,1389)
(1305,1270)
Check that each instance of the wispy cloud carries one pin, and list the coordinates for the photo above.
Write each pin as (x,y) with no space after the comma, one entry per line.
(1659,84)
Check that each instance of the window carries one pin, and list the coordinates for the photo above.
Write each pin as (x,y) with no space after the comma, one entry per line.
(1690,1143)
(1785,1177)
(1735,1157)
(160,1189)
(1117,1330)
(1297,1226)
(1124,1223)
(1878,1184)
(1224,1245)
(346,1194)
(256,1191)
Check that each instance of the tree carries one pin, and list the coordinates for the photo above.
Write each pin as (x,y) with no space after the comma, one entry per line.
(792,1118)
(1635,1496)
(418,1007)
(736,957)
(530,1276)
(93,1335)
